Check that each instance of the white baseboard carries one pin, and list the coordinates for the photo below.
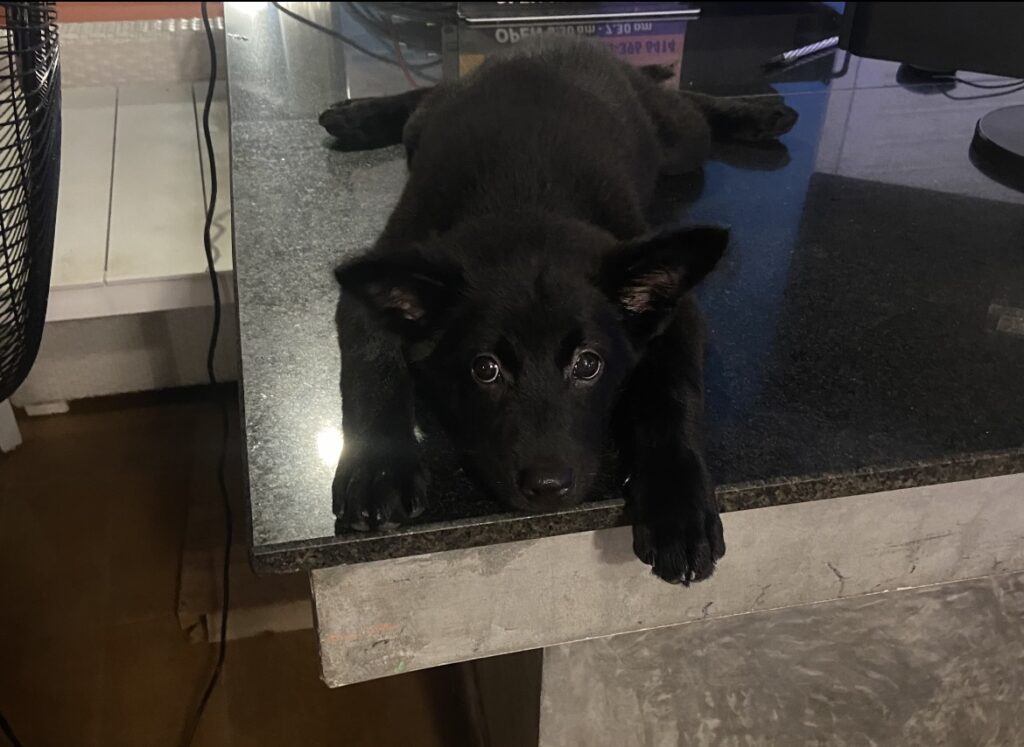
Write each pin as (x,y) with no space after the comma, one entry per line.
(137,297)
(10,436)
(110,355)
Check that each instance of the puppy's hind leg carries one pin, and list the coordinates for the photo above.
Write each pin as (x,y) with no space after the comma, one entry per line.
(744,118)
(428,104)
(365,124)
(684,137)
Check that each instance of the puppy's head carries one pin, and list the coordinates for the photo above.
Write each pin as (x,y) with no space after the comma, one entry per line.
(522,335)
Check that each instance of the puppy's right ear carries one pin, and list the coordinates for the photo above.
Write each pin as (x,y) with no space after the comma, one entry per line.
(408,294)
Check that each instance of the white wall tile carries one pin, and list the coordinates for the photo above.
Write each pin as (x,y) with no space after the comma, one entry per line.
(87,146)
(156,224)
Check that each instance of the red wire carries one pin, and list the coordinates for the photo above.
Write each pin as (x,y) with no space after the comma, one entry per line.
(401,58)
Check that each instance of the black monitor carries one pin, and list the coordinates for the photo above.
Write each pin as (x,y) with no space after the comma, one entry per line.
(936,41)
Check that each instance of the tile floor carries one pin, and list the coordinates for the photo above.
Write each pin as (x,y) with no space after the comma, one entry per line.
(92,516)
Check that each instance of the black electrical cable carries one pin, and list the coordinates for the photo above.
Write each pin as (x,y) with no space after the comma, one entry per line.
(193,724)
(8,732)
(994,94)
(973,84)
(347,40)
(383,25)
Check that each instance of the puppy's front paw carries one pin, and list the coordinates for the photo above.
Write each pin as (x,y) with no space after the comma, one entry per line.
(378,491)
(683,548)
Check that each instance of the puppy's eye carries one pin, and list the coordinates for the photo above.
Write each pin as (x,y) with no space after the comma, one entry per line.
(587,366)
(486,369)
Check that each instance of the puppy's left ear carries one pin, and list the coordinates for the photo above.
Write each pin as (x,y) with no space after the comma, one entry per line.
(648,276)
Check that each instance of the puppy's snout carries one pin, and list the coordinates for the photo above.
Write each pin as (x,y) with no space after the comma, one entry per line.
(545,481)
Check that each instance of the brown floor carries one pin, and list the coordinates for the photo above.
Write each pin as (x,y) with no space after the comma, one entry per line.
(92,517)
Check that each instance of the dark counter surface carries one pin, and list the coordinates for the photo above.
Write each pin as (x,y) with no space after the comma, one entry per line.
(866,327)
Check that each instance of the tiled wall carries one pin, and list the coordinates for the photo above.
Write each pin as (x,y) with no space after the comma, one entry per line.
(76,12)
(128,305)
(104,53)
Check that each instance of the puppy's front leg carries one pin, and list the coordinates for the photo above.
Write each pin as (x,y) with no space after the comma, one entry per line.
(379,482)
(676,527)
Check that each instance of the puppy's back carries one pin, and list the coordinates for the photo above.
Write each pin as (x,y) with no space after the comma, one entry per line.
(554,123)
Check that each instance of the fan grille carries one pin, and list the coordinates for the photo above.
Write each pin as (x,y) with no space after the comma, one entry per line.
(29,173)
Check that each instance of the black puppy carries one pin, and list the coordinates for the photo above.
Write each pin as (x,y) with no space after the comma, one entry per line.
(519,290)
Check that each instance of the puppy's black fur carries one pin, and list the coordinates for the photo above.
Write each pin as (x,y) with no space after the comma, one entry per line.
(519,290)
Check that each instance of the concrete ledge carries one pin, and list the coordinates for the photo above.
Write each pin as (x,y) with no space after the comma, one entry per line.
(386,617)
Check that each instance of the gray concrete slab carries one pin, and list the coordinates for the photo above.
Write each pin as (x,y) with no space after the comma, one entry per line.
(938,665)
(386,617)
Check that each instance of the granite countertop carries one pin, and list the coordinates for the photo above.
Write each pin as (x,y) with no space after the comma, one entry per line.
(866,328)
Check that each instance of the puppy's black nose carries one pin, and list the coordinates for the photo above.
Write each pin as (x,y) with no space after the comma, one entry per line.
(545,482)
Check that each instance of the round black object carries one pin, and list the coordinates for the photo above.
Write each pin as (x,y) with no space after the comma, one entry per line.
(999,144)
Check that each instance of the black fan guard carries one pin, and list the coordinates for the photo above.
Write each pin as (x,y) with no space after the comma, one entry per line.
(29,173)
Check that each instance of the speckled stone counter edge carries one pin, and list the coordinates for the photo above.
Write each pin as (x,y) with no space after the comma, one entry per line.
(489,530)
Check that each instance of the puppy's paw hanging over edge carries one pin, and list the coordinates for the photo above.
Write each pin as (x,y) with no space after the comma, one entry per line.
(378,491)
(681,550)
